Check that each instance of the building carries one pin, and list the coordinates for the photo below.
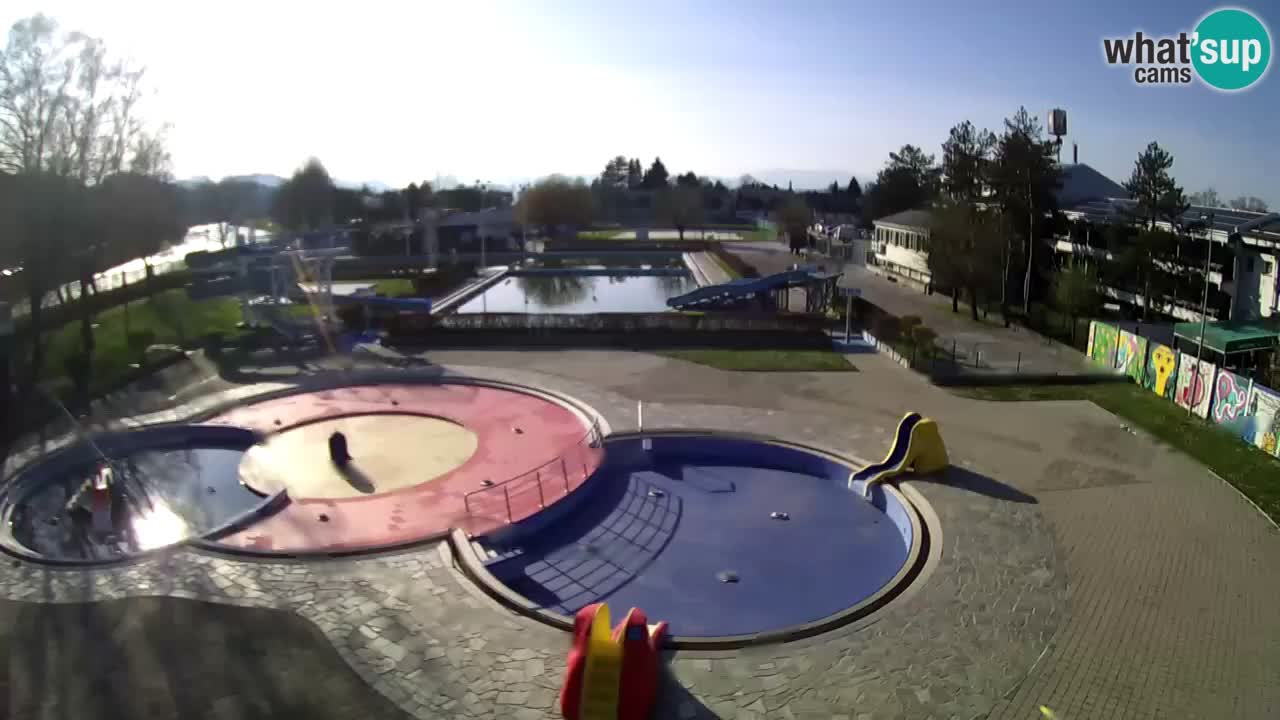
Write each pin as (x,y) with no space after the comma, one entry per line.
(496,228)
(900,245)
(1244,275)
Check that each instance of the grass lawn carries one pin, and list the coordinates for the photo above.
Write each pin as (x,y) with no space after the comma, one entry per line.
(765,360)
(759,235)
(1252,471)
(393,287)
(170,317)
(598,234)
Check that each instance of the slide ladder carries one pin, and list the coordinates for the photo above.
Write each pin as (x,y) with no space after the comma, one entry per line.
(917,446)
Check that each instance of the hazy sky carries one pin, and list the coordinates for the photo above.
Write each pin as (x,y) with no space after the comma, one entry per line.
(407,90)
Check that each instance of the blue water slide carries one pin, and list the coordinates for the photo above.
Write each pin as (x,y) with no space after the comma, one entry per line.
(744,288)
(378,301)
(897,454)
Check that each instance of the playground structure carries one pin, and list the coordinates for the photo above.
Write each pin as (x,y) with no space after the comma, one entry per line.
(611,675)
(917,447)
(767,293)
(270,282)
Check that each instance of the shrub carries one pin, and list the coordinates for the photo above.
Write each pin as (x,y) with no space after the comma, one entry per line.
(923,338)
(908,323)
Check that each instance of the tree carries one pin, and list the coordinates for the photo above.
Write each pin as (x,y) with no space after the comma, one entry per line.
(1142,259)
(1024,179)
(69,109)
(1157,195)
(854,193)
(688,179)
(305,201)
(966,156)
(1076,293)
(557,203)
(635,174)
(1249,204)
(795,217)
(747,181)
(616,173)
(680,206)
(964,252)
(907,181)
(1205,198)
(655,178)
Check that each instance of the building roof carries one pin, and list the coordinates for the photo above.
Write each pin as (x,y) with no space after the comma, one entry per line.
(1229,338)
(1124,210)
(914,219)
(1081,183)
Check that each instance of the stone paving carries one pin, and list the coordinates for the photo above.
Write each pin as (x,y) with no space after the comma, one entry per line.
(1080,566)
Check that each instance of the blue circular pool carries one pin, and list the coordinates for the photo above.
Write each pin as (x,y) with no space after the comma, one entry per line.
(720,536)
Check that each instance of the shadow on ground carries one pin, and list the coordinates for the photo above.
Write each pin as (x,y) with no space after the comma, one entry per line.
(174,658)
(966,479)
(675,700)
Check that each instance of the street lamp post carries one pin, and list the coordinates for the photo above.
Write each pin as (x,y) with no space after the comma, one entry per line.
(1204,313)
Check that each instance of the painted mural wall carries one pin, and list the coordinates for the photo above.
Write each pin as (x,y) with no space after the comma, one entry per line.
(1103,348)
(1162,367)
(1131,355)
(1262,424)
(1230,401)
(1194,384)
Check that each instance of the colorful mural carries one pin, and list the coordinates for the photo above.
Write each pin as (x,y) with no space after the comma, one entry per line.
(1088,349)
(1193,387)
(1131,355)
(1162,364)
(1103,347)
(1262,422)
(1230,399)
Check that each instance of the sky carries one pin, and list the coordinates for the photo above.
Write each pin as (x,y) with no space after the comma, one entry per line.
(494,91)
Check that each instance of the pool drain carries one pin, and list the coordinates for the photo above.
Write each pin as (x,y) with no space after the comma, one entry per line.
(657,494)
(778,515)
(727,576)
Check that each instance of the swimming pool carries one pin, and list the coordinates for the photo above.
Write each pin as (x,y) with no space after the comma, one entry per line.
(580,292)
(721,536)
(168,485)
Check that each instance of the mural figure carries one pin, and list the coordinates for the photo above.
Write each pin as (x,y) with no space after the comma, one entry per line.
(1160,368)
(1230,398)
(1262,428)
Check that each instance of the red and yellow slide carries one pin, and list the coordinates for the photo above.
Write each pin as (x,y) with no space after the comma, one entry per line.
(611,675)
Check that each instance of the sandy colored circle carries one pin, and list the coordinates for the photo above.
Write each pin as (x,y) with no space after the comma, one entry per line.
(388,451)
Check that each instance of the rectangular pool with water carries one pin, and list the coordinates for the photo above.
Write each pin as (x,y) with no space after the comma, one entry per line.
(579,293)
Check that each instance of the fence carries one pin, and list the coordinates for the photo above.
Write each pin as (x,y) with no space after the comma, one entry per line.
(1237,404)
(517,497)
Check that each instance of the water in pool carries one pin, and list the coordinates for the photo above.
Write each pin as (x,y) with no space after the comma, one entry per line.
(161,497)
(579,294)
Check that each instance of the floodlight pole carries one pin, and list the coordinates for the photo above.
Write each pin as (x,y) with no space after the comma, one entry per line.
(1204,314)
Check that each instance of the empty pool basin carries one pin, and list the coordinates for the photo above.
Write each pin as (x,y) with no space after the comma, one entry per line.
(167,485)
(721,536)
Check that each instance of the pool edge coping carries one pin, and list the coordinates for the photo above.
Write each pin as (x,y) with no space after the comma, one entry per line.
(922,557)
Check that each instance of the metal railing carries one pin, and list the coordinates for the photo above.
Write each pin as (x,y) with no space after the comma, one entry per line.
(552,480)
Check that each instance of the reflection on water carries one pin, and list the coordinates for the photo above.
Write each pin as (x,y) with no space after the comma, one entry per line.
(579,294)
(156,498)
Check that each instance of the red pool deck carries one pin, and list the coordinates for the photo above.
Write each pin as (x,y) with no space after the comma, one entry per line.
(533,450)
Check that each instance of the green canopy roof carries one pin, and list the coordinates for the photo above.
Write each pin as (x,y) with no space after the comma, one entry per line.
(1229,338)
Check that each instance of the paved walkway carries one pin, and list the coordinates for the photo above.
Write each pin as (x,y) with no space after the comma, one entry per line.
(1080,566)
(986,344)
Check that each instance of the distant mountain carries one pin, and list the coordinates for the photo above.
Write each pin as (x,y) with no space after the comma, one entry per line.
(805,179)
(272,181)
(373,185)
